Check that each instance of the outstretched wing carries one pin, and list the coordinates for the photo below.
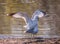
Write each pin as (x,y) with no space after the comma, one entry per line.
(21,15)
(35,13)
(38,13)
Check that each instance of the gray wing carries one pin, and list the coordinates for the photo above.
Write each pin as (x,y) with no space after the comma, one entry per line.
(37,12)
(24,16)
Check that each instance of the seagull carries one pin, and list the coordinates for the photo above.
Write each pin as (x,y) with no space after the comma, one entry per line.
(31,23)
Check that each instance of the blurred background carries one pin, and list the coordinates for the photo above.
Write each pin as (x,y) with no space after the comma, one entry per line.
(47,26)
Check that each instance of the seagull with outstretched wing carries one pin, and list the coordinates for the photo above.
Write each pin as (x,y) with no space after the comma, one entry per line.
(31,23)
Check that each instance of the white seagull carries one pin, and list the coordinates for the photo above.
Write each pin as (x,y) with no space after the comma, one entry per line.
(31,23)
